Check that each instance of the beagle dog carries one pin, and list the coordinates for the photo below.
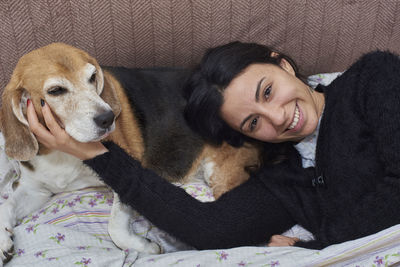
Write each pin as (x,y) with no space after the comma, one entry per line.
(139,109)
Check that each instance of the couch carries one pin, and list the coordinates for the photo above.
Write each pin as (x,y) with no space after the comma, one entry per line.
(322,36)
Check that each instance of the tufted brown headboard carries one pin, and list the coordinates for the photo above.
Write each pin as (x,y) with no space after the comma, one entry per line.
(321,35)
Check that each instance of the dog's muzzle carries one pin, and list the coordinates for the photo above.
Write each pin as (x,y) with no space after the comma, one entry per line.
(105,119)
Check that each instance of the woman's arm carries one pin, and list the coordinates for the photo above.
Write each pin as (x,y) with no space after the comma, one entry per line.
(247,215)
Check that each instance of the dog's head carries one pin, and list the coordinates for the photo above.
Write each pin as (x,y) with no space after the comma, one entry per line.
(73,85)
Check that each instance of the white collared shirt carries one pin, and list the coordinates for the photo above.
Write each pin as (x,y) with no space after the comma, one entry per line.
(307,148)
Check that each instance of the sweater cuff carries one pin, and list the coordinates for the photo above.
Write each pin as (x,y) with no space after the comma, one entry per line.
(312,244)
(99,162)
(115,167)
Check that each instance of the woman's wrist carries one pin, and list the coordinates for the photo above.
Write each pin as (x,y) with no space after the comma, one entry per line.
(85,151)
(99,149)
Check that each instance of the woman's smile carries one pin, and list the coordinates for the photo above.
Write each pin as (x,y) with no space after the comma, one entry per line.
(297,121)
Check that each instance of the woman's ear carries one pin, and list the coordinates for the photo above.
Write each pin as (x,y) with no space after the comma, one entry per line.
(284,64)
(274,54)
(287,66)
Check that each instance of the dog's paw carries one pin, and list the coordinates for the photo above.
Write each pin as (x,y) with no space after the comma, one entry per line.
(152,248)
(142,245)
(126,241)
(6,244)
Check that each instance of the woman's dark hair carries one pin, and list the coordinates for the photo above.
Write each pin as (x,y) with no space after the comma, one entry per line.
(204,89)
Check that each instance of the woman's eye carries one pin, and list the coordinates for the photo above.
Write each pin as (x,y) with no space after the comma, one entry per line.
(267,92)
(253,124)
(92,78)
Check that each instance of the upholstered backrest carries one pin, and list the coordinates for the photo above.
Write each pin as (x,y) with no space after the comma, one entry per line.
(321,35)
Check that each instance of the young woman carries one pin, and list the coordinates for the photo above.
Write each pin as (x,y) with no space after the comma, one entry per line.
(332,162)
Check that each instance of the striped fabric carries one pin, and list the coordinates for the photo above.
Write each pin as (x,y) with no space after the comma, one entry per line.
(87,210)
(321,35)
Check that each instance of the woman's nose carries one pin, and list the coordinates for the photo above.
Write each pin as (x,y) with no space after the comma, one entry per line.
(276,115)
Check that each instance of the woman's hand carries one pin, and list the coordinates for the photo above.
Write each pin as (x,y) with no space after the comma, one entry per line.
(56,138)
(282,241)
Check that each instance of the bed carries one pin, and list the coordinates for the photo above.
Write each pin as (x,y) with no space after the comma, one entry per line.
(321,36)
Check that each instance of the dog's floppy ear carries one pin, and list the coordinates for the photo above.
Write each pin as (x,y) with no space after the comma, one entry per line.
(20,143)
(109,94)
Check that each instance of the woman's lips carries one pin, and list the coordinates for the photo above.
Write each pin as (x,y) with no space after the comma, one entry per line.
(297,121)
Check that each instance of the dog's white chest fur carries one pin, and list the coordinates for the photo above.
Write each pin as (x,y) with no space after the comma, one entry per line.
(59,172)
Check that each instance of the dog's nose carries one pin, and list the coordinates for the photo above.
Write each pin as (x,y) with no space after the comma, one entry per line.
(105,119)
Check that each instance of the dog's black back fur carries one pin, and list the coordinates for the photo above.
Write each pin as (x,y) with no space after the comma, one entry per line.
(156,97)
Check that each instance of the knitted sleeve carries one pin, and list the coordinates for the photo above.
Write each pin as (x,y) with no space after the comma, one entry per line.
(247,215)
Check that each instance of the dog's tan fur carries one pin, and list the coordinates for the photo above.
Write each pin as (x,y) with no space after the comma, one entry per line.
(63,60)
(233,165)
(127,133)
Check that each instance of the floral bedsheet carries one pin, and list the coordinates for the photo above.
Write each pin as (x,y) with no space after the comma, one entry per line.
(71,230)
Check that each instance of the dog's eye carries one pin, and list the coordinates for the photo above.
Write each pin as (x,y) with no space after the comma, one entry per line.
(57,90)
(92,78)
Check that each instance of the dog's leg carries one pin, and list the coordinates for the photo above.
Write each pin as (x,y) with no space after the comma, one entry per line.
(26,199)
(118,228)
(7,221)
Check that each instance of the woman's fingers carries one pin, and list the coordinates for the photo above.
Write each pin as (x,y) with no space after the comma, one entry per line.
(50,121)
(41,133)
(280,240)
(60,137)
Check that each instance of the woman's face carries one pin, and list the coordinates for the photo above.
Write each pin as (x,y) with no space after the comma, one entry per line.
(271,104)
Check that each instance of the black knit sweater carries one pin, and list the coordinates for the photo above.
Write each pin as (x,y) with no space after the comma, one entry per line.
(353,191)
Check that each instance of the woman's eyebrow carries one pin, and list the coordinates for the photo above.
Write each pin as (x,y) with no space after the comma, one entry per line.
(257,97)
(258,89)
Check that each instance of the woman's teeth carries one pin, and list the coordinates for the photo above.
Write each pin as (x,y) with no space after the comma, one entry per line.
(296,118)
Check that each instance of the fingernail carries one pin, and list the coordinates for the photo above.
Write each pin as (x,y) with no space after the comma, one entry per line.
(28,101)
(42,102)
